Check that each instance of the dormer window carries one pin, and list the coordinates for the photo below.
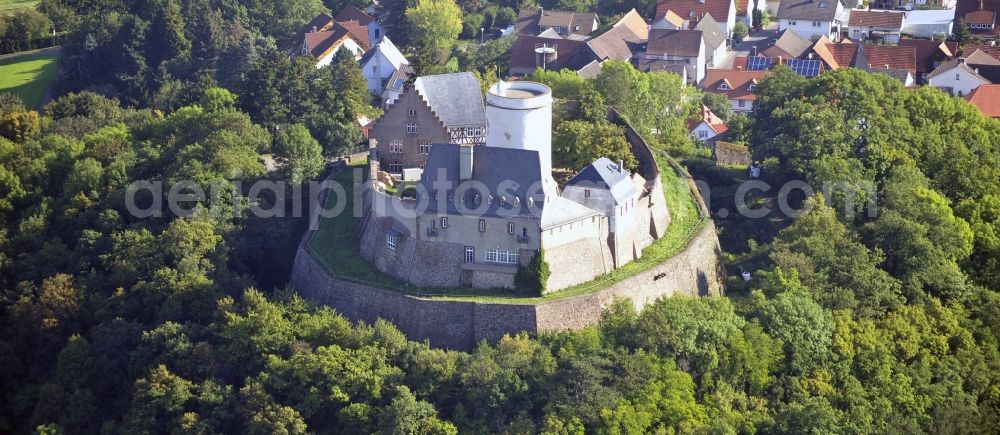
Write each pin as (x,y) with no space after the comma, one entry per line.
(724,87)
(752,87)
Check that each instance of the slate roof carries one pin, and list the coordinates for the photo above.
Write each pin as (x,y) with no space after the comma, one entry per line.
(455,98)
(352,13)
(987,99)
(490,166)
(877,19)
(787,45)
(713,33)
(605,174)
(688,9)
(398,79)
(622,40)
(531,21)
(683,43)
(818,10)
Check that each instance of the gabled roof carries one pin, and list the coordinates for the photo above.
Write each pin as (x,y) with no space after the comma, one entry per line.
(958,63)
(622,39)
(739,82)
(455,98)
(928,51)
(688,9)
(532,21)
(319,43)
(357,32)
(891,57)
(877,19)
(713,33)
(979,57)
(605,174)
(709,118)
(844,54)
(683,43)
(590,70)
(787,45)
(981,17)
(902,75)
(352,13)
(388,50)
(819,48)
(320,23)
(987,99)
(993,51)
(813,10)
(674,19)
(569,53)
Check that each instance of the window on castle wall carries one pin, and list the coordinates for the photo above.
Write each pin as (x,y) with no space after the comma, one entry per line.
(390,241)
(412,112)
(411,128)
(586,193)
(510,228)
(482,225)
(444,222)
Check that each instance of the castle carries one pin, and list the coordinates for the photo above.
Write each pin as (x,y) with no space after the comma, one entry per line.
(481,209)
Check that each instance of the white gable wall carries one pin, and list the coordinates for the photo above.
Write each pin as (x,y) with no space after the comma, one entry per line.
(349,43)
(959,80)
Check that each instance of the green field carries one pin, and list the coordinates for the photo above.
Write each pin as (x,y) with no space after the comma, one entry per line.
(335,247)
(29,76)
(9,6)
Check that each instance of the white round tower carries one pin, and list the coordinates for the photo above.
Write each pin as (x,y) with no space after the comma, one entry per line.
(520,117)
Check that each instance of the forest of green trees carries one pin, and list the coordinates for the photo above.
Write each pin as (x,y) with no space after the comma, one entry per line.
(885,322)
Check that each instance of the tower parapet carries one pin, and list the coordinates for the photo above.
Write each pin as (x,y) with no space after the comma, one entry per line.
(520,117)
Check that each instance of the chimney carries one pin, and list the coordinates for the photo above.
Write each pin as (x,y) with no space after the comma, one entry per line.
(465,161)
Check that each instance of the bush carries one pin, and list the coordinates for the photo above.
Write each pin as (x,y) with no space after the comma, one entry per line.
(531,279)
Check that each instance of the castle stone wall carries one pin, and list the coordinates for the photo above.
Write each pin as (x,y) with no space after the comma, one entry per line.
(696,270)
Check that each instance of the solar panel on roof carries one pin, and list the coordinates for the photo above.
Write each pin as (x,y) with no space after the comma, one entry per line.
(759,63)
(805,68)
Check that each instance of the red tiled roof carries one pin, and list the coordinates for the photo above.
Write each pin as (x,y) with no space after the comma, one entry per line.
(980,17)
(991,50)
(358,32)
(987,99)
(523,53)
(965,6)
(352,13)
(694,8)
(896,57)
(928,52)
(842,53)
(708,117)
(738,81)
(878,19)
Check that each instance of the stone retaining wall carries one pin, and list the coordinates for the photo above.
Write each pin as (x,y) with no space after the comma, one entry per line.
(696,270)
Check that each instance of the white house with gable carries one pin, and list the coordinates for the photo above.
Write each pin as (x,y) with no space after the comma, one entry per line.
(380,64)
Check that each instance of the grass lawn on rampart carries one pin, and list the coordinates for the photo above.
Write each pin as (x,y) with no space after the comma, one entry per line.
(11,6)
(335,247)
(29,76)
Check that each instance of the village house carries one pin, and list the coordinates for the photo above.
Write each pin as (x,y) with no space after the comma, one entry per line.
(671,50)
(980,16)
(352,13)
(813,18)
(962,75)
(566,24)
(929,54)
(723,11)
(707,126)
(443,108)
(621,41)
(381,64)
(323,37)
(882,26)
(736,85)
(715,40)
